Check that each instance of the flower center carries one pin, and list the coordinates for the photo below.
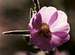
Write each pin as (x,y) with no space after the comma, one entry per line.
(44,30)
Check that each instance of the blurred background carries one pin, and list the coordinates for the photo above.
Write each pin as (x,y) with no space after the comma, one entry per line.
(14,15)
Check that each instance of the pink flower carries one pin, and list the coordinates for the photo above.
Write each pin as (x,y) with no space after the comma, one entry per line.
(49,28)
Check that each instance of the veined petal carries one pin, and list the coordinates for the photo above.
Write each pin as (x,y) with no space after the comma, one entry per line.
(60,30)
(53,18)
(61,24)
(35,21)
(57,41)
(46,13)
(61,34)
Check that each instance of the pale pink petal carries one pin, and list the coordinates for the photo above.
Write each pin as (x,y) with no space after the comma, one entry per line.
(60,30)
(53,18)
(61,34)
(46,13)
(61,23)
(57,41)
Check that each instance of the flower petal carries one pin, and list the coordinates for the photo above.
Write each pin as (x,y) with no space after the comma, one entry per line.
(60,30)
(61,23)
(61,34)
(36,20)
(57,41)
(53,18)
(40,41)
(46,13)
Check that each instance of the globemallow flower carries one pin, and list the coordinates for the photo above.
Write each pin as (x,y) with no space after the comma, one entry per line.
(49,28)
